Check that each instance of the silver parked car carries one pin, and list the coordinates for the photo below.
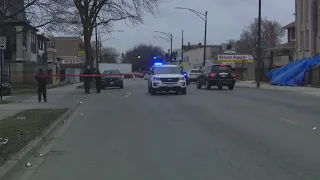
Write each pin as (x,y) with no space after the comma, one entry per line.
(193,75)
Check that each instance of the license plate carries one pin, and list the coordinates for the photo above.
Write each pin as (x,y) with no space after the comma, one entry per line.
(111,82)
(169,85)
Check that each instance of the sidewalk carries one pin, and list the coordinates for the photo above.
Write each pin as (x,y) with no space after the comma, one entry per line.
(294,89)
(60,97)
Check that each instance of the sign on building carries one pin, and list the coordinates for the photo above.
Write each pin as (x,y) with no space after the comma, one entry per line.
(235,58)
(72,61)
(81,54)
(3,43)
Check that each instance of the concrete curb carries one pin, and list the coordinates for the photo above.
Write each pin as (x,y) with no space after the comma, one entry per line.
(19,160)
(249,87)
(303,93)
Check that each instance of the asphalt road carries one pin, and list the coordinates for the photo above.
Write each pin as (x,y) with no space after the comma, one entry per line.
(244,134)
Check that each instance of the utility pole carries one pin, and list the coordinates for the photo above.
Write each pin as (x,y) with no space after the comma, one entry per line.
(100,47)
(1,69)
(205,38)
(259,47)
(182,59)
(171,47)
(97,47)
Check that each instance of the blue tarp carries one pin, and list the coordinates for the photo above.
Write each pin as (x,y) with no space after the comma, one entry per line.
(292,74)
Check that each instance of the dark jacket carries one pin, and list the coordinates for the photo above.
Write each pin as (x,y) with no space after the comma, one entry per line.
(87,72)
(41,80)
(98,77)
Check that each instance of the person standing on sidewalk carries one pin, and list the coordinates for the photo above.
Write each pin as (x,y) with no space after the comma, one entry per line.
(98,81)
(42,85)
(87,80)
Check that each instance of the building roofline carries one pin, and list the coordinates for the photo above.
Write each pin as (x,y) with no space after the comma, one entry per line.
(290,25)
(43,37)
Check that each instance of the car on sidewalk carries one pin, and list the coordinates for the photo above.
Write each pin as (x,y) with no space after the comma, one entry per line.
(112,78)
(166,78)
(193,75)
(217,75)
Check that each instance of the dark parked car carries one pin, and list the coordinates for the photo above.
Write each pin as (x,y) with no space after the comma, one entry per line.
(217,75)
(112,78)
(6,89)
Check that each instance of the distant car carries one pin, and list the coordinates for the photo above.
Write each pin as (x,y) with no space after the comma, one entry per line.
(217,75)
(193,75)
(6,89)
(112,78)
(146,76)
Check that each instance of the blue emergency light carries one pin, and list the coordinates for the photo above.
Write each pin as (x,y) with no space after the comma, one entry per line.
(158,64)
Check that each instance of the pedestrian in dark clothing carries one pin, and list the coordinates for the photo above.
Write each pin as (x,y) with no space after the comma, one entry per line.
(42,85)
(87,80)
(98,81)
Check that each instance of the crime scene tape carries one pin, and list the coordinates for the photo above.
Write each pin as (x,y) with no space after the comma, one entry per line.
(80,75)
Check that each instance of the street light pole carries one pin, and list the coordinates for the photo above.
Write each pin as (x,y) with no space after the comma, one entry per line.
(259,47)
(204,17)
(170,36)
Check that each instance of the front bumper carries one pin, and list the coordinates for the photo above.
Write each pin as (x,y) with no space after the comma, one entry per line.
(169,86)
(192,78)
(112,83)
(222,82)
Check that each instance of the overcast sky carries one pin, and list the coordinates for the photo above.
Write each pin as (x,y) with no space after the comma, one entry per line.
(226,19)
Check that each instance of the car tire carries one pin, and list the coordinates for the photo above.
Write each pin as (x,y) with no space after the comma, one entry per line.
(231,87)
(198,85)
(121,87)
(184,91)
(152,91)
(207,85)
(220,87)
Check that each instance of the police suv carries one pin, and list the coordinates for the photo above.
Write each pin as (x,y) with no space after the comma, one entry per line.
(166,78)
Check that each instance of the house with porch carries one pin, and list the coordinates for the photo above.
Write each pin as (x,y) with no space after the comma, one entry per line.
(26,51)
(284,53)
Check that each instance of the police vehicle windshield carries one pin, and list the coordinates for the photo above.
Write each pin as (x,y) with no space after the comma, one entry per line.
(167,70)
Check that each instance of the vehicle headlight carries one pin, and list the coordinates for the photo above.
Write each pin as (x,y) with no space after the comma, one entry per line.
(181,78)
(156,79)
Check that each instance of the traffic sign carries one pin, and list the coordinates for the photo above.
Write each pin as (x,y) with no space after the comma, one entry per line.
(3,43)
(181,64)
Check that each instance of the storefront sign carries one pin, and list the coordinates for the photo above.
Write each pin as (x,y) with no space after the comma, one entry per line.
(235,58)
(72,61)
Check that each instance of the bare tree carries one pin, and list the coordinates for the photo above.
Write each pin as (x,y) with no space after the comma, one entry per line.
(146,53)
(109,55)
(271,34)
(37,13)
(85,15)
(231,42)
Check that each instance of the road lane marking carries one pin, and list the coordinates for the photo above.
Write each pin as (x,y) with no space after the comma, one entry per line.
(289,121)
